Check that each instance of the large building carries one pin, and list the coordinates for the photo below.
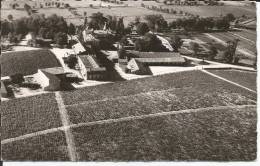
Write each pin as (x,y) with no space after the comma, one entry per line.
(140,61)
(89,68)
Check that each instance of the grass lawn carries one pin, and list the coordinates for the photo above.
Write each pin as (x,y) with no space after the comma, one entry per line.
(27,115)
(219,135)
(247,79)
(41,148)
(193,80)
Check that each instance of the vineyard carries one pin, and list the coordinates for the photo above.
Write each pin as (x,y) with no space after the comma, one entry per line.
(27,115)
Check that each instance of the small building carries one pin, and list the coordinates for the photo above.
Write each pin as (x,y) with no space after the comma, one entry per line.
(89,68)
(51,79)
(4,92)
(78,48)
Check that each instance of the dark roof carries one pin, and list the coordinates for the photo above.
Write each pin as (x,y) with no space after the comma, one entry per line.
(27,62)
(137,54)
(88,61)
(170,60)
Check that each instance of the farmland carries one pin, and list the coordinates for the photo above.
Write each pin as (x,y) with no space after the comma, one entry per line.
(249,47)
(215,11)
(220,134)
(193,80)
(27,62)
(27,115)
(180,116)
(244,78)
(40,148)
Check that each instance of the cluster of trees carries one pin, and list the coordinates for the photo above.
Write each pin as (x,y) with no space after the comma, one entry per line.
(99,21)
(202,24)
(167,10)
(52,27)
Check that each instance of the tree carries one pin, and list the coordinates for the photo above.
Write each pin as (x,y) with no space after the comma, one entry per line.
(71,29)
(97,21)
(71,61)
(195,48)
(230,17)
(213,51)
(156,22)
(142,28)
(176,43)
(120,26)
(10,17)
(61,38)
(17,78)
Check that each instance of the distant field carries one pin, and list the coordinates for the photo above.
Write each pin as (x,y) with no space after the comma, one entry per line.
(15,13)
(215,11)
(27,115)
(129,13)
(213,134)
(225,36)
(247,79)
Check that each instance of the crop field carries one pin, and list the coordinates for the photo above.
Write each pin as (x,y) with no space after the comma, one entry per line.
(27,115)
(27,62)
(60,12)
(181,116)
(195,80)
(40,148)
(244,44)
(247,79)
(221,135)
(215,11)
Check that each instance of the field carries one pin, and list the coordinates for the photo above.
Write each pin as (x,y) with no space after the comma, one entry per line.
(181,116)
(247,79)
(27,62)
(15,13)
(28,115)
(224,134)
(191,80)
(243,44)
(215,11)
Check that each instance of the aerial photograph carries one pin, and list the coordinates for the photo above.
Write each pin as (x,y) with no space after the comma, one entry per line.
(128,80)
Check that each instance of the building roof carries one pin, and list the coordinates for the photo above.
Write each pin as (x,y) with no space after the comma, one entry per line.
(27,62)
(138,54)
(88,61)
(169,60)
(54,70)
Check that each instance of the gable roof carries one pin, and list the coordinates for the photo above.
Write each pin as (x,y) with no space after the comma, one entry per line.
(88,61)
(78,48)
(27,62)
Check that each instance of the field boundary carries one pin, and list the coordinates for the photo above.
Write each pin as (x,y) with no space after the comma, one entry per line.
(65,122)
(108,121)
(231,82)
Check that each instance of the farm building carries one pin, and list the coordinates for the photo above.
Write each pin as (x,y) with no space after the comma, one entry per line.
(89,68)
(140,61)
(27,62)
(4,92)
(51,79)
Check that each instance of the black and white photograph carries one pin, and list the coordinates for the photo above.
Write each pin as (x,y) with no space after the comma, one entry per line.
(128,80)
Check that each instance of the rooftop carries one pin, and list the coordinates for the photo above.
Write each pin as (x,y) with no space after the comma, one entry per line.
(138,54)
